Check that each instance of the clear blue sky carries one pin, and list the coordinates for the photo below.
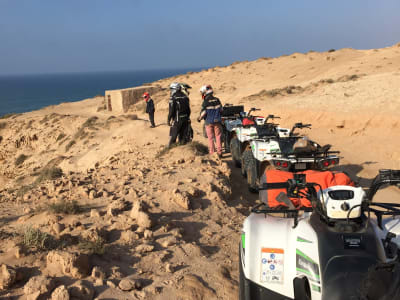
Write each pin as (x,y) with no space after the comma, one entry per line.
(46,36)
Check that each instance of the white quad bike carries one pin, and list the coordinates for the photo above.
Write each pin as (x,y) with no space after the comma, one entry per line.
(279,153)
(243,134)
(333,250)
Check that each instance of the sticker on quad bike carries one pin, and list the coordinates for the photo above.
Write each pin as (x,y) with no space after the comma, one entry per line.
(306,266)
(272,263)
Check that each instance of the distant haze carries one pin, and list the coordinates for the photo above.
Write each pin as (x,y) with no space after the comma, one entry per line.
(50,36)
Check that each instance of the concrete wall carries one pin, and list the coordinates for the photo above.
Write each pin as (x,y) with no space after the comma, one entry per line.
(119,101)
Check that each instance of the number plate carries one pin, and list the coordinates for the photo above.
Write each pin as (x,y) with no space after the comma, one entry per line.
(300,166)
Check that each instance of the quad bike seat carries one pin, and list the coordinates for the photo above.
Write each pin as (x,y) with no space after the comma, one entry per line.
(230,111)
(265,130)
(304,146)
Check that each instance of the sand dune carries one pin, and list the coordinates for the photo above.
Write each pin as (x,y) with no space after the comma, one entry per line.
(166,225)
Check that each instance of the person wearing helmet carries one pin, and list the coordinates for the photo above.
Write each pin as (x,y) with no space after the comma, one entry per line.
(179,113)
(149,108)
(211,112)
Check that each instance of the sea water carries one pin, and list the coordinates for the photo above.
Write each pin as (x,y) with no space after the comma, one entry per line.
(22,93)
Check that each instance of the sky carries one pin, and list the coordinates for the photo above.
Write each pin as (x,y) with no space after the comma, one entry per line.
(58,36)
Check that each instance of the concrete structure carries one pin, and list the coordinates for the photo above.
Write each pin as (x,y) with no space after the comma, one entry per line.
(119,101)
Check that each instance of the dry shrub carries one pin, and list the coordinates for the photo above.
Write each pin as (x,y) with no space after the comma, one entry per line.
(3,125)
(20,159)
(69,145)
(49,173)
(60,136)
(35,239)
(92,247)
(198,148)
(65,207)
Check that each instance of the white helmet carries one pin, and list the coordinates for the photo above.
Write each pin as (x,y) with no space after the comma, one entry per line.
(206,89)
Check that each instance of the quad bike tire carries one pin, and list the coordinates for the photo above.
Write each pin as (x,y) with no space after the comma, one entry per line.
(244,284)
(301,289)
(252,176)
(235,151)
(247,156)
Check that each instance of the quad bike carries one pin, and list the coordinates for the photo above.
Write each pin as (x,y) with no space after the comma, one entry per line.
(332,250)
(251,128)
(293,153)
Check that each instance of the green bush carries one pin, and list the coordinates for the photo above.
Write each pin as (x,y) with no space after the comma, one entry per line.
(38,240)
(93,247)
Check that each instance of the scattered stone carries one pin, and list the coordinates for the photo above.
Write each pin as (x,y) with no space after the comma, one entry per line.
(75,265)
(58,228)
(148,234)
(60,293)
(82,290)
(116,207)
(7,276)
(181,198)
(92,194)
(142,218)
(98,272)
(129,237)
(39,286)
(168,242)
(128,284)
(169,268)
(144,248)
(94,213)
(111,284)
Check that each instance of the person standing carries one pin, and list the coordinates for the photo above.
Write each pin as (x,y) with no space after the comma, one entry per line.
(149,108)
(179,113)
(211,112)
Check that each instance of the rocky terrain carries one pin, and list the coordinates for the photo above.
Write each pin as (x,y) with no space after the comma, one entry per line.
(93,206)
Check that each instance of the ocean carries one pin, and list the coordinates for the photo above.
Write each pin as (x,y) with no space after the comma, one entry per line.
(22,93)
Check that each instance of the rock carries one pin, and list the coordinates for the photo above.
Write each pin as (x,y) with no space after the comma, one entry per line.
(116,207)
(128,284)
(144,248)
(94,213)
(58,228)
(18,251)
(39,286)
(169,268)
(129,237)
(82,290)
(7,276)
(60,293)
(168,242)
(138,213)
(148,234)
(111,284)
(92,194)
(181,198)
(98,272)
(75,265)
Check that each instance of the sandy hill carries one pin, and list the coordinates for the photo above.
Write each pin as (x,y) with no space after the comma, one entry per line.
(90,203)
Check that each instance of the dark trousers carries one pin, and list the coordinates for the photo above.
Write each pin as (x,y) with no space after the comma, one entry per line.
(179,130)
(151,118)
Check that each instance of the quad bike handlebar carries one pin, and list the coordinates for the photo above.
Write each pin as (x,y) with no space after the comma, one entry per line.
(300,126)
(270,117)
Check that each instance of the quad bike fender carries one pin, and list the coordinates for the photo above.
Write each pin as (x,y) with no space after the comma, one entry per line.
(274,254)
(392,225)
(265,150)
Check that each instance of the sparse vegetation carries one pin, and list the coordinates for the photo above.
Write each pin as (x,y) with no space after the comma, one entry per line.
(331,50)
(93,247)
(65,207)
(198,148)
(24,189)
(165,150)
(3,125)
(6,116)
(69,145)
(20,159)
(49,173)
(89,123)
(60,136)
(38,240)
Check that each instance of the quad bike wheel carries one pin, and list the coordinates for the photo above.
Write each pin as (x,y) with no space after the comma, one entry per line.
(244,284)
(252,176)
(301,289)
(227,140)
(235,151)
(247,156)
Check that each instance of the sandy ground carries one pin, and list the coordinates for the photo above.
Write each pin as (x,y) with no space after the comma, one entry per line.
(181,241)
